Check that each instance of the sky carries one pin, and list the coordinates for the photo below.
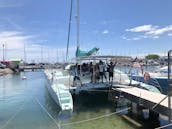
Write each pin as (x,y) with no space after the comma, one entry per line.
(117,27)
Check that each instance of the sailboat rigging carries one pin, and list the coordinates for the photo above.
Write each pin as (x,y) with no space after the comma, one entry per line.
(79,52)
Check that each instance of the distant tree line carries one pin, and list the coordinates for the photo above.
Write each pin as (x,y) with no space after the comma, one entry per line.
(152,56)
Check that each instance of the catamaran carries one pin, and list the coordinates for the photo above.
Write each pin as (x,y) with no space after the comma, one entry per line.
(63,82)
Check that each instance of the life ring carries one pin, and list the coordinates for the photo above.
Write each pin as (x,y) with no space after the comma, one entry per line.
(146,76)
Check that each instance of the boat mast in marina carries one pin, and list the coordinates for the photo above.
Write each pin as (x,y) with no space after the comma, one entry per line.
(24,54)
(77,24)
(24,61)
(41,54)
(3,52)
(69,27)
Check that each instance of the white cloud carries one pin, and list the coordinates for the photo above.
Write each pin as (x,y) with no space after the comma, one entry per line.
(170,34)
(13,24)
(105,32)
(133,38)
(160,31)
(143,28)
(149,31)
(125,38)
(10,3)
(107,22)
(14,42)
(13,39)
(136,38)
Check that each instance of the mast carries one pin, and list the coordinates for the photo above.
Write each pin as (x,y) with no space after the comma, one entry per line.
(41,54)
(57,56)
(3,46)
(77,23)
(24,54)
(69,27)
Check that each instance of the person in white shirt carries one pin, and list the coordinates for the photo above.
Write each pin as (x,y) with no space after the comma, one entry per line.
(102,70)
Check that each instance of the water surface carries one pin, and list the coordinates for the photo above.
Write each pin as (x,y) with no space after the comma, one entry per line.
(21,101)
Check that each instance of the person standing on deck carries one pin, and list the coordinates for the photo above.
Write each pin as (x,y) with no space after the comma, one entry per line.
(97,73)
(102,70)
(110,70)
(91,70)
(76,75)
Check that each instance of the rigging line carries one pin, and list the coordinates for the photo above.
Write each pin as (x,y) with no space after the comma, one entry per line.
(69,27)
(44,109)
(164,126)
(12,117)
(95,118)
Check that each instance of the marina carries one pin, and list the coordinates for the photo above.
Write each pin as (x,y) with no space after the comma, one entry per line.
(70,85)
(25,96)
(113,71)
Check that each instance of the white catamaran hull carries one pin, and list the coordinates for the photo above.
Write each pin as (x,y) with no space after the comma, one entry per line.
(53,94)
(58,91)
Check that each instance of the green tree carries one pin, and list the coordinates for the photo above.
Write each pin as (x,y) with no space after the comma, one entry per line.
(152,56)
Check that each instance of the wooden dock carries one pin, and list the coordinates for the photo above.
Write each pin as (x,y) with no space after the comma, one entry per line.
(30,67)
(147,99)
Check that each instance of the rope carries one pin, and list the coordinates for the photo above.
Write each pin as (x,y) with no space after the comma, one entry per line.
(95,118)
(164,126)
(44,109)
(12,117)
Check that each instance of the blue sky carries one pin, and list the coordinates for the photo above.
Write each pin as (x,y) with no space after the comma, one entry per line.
(118,27)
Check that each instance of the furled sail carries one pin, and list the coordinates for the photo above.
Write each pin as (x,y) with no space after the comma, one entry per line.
(80,53)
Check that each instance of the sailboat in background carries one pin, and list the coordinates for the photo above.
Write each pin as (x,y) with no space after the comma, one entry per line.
(24,63)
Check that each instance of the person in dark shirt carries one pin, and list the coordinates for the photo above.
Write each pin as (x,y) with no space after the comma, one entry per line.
(76,75)
(91,70)
(110,70)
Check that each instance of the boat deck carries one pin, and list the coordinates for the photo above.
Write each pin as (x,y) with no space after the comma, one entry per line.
(90,86)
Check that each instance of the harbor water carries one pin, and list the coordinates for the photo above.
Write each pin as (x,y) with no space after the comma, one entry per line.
(26,104)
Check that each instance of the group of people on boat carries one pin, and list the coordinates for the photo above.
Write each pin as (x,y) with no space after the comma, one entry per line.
(96,70)
(103,68)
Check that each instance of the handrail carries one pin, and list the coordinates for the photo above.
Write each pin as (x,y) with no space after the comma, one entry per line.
(159,102)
